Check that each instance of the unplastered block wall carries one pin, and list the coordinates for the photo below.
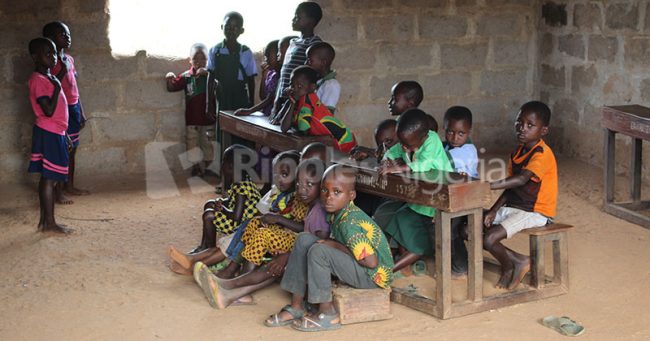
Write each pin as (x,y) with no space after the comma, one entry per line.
(592,54)
(477,53)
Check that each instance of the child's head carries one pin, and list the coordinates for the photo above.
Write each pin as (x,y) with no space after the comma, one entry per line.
(307,16)
(236,162)
(386,135)
(405,95)
(532,122)
(284,170)
(43,52)
(303,81)
(59,33)
(271,54)
(320,57)
(198,56)
(458,125)
(337,188)
(412,129)
(314,150)
(233,26)
(433,124)
(309,175)
(283,45)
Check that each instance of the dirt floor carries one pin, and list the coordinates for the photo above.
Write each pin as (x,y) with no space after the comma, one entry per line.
(109,280)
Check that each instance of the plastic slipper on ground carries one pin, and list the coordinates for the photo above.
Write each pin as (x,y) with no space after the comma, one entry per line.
(563,325)
(209,289)
(324,322)
(196,271)
(296,315)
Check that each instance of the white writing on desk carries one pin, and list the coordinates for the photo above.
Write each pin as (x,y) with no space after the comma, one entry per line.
(250,132)
(370,181)
(640,127)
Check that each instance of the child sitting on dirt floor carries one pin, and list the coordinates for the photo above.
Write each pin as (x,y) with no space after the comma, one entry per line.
(312,117)
(358,255)
(419,150)
(223,292)
(530,196)
(222,216)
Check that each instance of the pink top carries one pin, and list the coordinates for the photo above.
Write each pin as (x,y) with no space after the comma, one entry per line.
(69,82)
(40,86)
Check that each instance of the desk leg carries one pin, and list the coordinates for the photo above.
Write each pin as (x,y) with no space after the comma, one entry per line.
(475,252)
(443,263)
(610,164)
(635,166)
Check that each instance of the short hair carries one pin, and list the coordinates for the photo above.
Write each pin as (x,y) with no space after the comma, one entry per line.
(315,148)
(271,46)
(433,124)
(235,15)
(346,172)
(312,10)
(413,121)
(198,47)
(307,71)
(292,155)
(540,109)
(49,30)
(36,44)
(324,47)
(313,167)
(412,90)
(286,40)
(386,124)
(229,153)
(458,113)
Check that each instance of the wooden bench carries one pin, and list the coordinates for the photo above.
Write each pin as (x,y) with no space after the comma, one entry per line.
(361,305)
(538,236)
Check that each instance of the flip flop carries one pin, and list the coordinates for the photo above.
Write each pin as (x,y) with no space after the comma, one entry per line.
(295,316)
(209,289)
(196,271)
(563,325)
(324,322)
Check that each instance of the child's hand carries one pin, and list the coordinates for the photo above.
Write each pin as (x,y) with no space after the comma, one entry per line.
(242,112)
(271,218)
(277,265)
(55,81)
(489,218)
(170,75)
(389,167)
(69,142)
(201,72)
(358,153)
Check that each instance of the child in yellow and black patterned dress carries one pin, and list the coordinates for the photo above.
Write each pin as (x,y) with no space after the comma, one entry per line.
(222,216)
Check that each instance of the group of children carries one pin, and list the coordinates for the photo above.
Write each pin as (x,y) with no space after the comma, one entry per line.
(312,223)
(59,118)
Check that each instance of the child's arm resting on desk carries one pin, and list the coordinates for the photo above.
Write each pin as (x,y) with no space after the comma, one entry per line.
(362,253)
(513,180)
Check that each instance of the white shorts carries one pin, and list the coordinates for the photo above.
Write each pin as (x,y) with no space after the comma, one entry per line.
(514,220)
(223,241)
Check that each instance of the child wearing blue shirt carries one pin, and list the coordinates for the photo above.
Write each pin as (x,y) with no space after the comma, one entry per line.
(462,153)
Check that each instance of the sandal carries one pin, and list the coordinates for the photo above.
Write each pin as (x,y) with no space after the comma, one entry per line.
(563,325)
(324,322)
(275,318)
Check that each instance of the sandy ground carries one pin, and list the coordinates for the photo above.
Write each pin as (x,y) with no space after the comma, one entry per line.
(109,281)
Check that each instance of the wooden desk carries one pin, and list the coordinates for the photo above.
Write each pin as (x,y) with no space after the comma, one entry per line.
(453,195)
(632,121)
(256,128)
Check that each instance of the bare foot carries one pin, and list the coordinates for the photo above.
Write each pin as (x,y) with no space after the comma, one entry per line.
(180,258)
(61,199)
(75,191)
(216,295)
(506,277)
(229,271)
(56,228)
(520,271)
(177,268)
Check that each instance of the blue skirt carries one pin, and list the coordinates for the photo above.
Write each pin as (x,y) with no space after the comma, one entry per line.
(50,155)
(74,123)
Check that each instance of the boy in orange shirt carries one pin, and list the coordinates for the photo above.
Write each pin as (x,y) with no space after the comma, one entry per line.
(530,196)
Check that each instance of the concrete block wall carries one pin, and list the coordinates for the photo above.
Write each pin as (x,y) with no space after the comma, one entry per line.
(592,54)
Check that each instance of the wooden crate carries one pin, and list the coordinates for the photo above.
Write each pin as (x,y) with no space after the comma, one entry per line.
(361,305)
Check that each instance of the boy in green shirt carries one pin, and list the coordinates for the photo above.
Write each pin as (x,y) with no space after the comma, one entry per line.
(358,255)
(418,150)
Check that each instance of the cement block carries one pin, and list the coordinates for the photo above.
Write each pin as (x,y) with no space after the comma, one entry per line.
(14,167)
(636,51)
(510,52)
(554,15)
(602,48)
(618,88)
(91,36)
(91,6)
(389,28)
(22,67)
(583,78)
(367,4)
(645,90)
(436,27)
(355,58)
(423,4)
(380,87)
(36,8)
(465,55)
(573,45)
(15,103)
(504,82)
(125,127)
(588,16)
(350,87)
(447,84)
(339,28)
(414,56)
(102,160)
(145,94)
(172,126)
(103,66)
(552,77)
(159,66)
(546,45)
(95,96)
(500,24)
(566,109)
(622,16)
(17,35)
(466,3)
